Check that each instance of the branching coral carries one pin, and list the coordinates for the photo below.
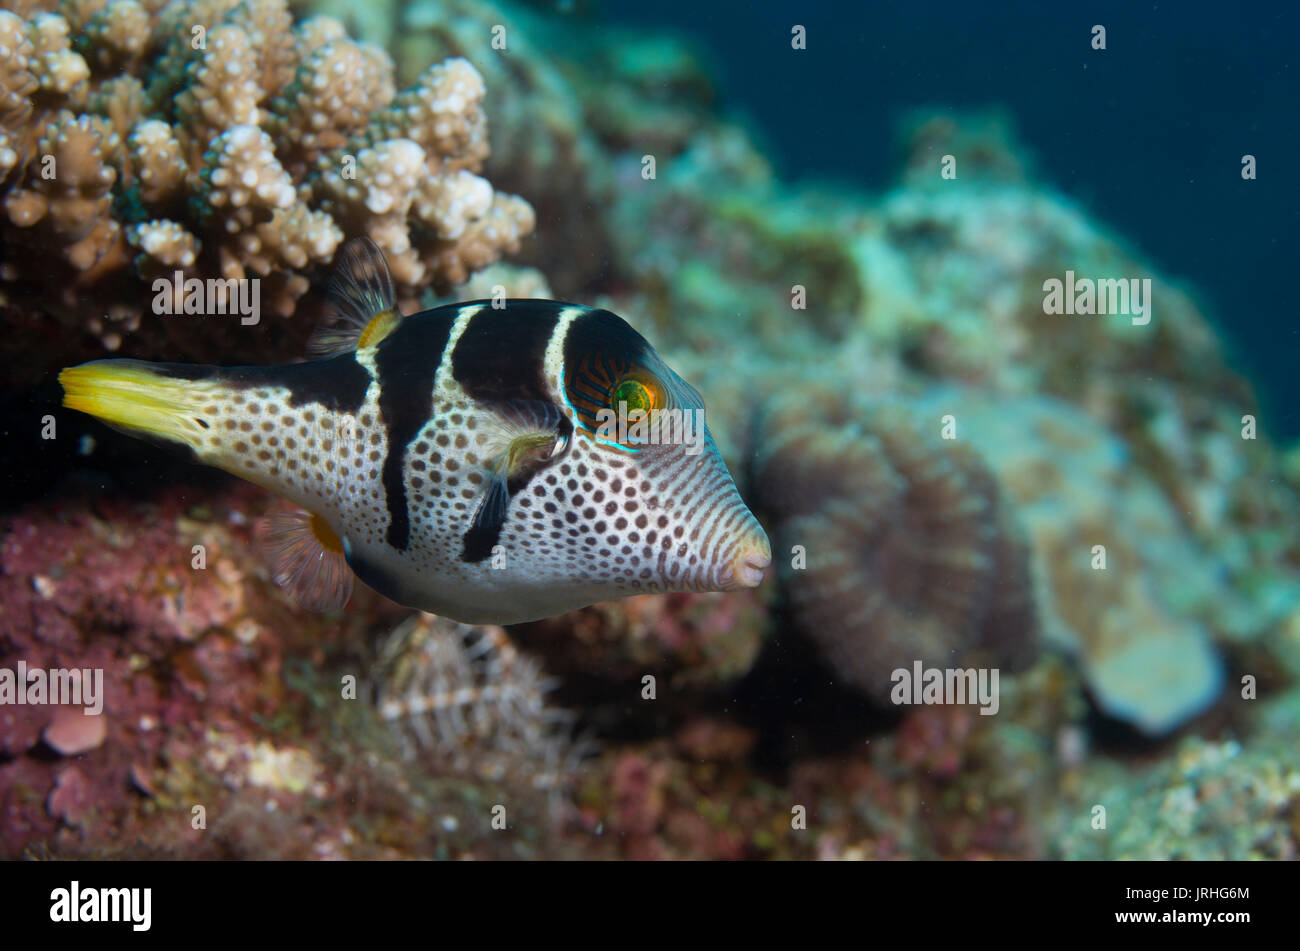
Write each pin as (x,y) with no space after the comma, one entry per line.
(226,142)
(911,553)
(543,146)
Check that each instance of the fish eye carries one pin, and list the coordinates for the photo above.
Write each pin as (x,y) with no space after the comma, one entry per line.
(636,393)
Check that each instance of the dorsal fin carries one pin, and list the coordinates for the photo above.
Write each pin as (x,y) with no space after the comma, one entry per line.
(361,298)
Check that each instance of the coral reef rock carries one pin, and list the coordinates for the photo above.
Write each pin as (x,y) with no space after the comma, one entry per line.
(1208,801)
(1140,611)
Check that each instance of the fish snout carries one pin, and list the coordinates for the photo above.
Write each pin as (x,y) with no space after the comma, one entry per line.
(748,562)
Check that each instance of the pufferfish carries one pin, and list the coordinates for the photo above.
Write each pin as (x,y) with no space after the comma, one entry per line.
(458,460)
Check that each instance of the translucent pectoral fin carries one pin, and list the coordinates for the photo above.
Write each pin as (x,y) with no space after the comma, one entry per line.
(306,558)
(361,300)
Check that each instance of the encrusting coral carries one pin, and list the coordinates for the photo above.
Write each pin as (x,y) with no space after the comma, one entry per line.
(217,138)
(1207,801)
(1124,587)
(217,690)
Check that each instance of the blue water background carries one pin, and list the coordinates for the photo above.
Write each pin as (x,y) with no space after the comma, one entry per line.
(1148,135)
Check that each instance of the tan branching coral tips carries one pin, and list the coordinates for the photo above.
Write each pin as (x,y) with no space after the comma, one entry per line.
(911,553)
(139,137)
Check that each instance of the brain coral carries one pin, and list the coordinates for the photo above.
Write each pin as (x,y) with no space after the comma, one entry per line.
(911,553)
(215,136)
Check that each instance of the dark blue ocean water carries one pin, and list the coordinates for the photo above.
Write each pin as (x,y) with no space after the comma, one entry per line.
(1148,135)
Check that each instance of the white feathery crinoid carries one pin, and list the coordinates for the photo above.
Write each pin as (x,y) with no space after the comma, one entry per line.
(467,695)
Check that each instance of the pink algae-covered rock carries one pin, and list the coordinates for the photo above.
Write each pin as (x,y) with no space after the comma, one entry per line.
(74,730)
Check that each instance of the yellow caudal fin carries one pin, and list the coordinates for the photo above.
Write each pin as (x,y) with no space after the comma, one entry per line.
(135,396)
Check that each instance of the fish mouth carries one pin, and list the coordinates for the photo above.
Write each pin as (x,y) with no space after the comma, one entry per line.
(748,564)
